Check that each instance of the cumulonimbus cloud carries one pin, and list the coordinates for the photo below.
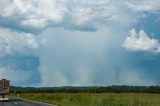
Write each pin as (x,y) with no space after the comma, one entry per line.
(12,42)
(141,42)
(36,15)
(39,14)
(18,57)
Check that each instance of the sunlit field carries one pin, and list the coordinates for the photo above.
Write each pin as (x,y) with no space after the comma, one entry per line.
(95,99)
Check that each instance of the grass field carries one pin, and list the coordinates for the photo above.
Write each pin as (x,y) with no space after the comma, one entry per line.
(91,99)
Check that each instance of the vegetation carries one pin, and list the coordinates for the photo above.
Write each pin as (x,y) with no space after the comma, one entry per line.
(92,96)
(110,89)
(95,99)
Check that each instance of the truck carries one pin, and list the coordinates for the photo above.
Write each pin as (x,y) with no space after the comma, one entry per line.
(4,89)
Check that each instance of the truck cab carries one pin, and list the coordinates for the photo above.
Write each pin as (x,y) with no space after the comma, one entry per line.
(4,89)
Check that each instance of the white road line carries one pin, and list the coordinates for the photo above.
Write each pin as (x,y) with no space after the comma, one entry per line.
(39,102)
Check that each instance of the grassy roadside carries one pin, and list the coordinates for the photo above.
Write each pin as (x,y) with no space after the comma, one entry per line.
(92,99)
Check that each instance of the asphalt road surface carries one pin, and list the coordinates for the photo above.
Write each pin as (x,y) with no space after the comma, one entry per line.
(19,102)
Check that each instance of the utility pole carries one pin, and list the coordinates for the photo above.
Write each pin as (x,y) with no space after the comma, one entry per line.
(94,86)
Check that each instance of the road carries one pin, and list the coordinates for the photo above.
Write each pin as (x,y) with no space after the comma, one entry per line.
(19,102)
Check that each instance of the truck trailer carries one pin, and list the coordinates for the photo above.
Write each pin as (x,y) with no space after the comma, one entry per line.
(4,89)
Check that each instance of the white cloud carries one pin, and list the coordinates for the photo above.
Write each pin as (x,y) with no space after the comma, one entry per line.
(12,42)
(141,42)
(70,14)
(33,13)
(143,5)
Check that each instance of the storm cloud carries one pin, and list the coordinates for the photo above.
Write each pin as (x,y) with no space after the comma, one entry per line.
(76,42)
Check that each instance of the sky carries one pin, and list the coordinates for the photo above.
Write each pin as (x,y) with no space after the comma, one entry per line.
(80,42)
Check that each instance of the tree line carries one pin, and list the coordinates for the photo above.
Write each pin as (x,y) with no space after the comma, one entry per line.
(91,89)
